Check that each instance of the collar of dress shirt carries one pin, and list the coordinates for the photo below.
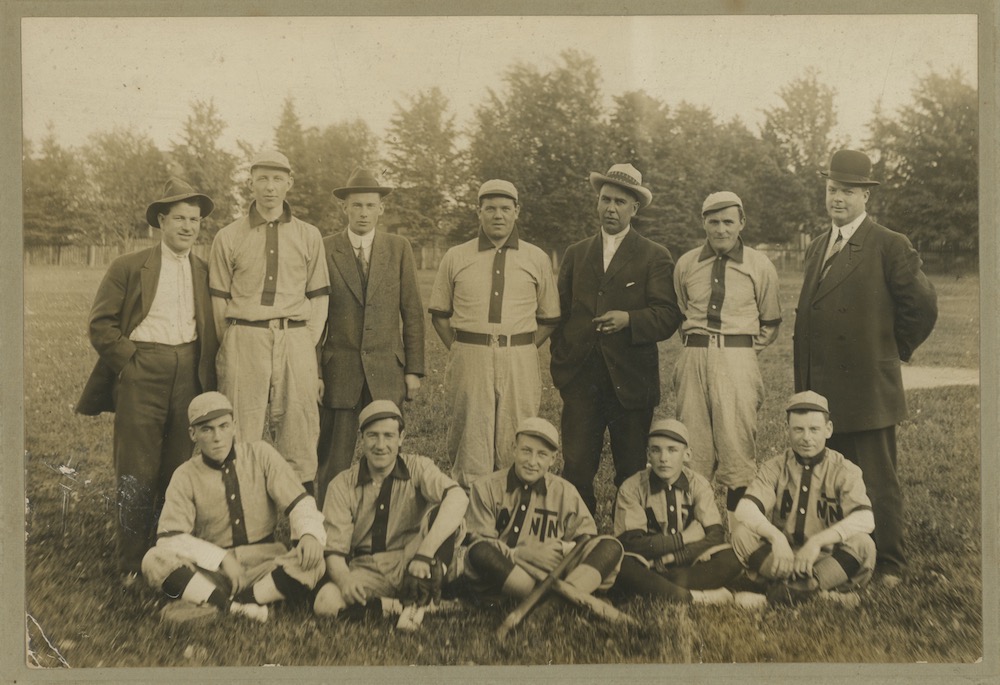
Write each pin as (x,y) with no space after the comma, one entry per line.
(616,239)
(847,230)
(364,241)
(179,256)
(486,244)
(735,252)
(399,471)
(515,483)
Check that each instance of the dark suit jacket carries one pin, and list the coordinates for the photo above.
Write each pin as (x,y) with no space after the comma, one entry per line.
(363,341)
(640,281)
(872,310)
(123,300)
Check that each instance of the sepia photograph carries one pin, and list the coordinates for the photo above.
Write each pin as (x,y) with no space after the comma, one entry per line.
(369,336)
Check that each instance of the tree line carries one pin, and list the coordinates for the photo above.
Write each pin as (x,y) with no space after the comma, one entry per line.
(544,131)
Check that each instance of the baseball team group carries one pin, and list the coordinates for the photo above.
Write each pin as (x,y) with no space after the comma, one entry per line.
(318,343)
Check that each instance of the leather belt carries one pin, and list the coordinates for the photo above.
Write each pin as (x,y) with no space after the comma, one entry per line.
(269,323)
(718,340)
(497,339)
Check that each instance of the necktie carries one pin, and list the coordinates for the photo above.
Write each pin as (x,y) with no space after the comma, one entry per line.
(837,244)
(363,264)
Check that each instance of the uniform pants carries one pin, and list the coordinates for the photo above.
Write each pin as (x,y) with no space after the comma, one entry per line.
(338,439)
(273,367)
(490,389)
(860,547)
(151,439)
(874,451)
(719,391)
(591,406)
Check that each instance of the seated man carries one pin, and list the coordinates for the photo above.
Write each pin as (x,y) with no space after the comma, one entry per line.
(385,536)
(524,520)
(215,547)
(669,524)
(807,520)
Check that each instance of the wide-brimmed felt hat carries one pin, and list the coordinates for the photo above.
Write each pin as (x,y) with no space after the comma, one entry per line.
(851,167)
(177,190)
(362,181)
(625,176)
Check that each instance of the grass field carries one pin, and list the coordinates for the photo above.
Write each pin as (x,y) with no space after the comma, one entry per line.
(79,616)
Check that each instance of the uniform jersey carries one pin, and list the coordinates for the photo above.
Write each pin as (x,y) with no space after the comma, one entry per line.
(503,508)
(802,497)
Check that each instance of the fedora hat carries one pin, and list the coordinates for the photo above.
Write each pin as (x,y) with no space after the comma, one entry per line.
(851,167)
(625,176)
(362,181)
(177,190)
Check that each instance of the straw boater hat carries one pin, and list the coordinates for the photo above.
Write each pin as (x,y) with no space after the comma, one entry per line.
(851,167)
(625,176)
(177,190)
(362,181)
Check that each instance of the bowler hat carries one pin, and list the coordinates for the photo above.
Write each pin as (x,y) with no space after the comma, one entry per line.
(271,159)
(378,410)
(670,428)
(362,181)
(177,190)
(208,406)
(850,167)
(625,176)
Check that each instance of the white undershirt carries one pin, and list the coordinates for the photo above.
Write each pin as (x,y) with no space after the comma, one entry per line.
(170,320)
(611,243)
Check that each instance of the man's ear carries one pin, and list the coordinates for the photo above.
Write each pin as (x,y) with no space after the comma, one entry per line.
(829,429)
(191,433)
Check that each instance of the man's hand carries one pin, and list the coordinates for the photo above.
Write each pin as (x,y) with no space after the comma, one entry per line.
(353,591)
(309,551)
(784,558)
(545,555)
(234,571)
(805,558)
(412,381)
(422,581)
(612,321)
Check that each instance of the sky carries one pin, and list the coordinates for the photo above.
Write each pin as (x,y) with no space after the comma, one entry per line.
(86,75)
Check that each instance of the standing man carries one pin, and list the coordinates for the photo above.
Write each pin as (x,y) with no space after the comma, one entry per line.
(269,288)
(373,286)
(616,292)
(865,306)
(152,327)
(728,294)
(494,302)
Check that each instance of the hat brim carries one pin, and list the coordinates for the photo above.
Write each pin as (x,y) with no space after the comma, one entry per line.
(342,193)
(212,415)
(669,434)
(726,204)
(806,406)
(378,416)
(158,207)
(849,179)
(597,181)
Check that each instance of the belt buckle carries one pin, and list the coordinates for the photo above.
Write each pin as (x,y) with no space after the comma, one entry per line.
(715,340)
(274,324)
(494,339)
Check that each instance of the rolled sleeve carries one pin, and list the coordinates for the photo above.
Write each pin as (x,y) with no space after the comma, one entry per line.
(220,272)
(338,515)
(441,303)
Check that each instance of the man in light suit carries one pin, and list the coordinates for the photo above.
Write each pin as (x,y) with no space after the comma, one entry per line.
(865,306)
(152,327)
(373,286)
(617,300)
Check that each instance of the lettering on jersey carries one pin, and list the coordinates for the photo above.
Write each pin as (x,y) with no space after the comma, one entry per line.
(503,518)
(544,524)
(786,504)
(829,510)
(686,514)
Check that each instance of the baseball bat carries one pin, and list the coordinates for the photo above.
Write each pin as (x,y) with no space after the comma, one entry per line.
(410,618)
(529,602)
(580,598)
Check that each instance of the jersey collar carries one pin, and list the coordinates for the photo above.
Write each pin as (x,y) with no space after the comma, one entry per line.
(256,219)
(487,244)
(657,484)
(399,471)
(515,483)
(734,253)
(809,461)
(219,465)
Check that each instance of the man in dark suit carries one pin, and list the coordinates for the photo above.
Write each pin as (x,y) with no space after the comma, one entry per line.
(373,287)
(152,327)
(865,306)
(617,300)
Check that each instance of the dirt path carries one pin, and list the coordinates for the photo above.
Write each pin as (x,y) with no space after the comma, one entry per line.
(915,377)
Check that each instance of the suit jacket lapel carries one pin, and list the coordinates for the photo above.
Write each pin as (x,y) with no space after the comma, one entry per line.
(199,276)
(149,279)
(377,265)
(345,261)
(623,255)
(847,260)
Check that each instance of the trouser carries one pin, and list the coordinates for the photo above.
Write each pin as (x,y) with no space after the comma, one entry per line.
(273,368)
(591,406)
(338,438)
(490,390)
(719,391)
(676,582)
(874,451)
(151,439)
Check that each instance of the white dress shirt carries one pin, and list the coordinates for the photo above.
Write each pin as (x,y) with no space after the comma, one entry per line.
(611,243)
(171,315)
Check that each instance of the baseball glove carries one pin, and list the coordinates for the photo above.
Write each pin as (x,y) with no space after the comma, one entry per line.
(422,591)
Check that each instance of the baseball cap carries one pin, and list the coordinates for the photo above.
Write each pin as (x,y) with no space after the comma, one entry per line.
(541,429)
(497,186)
(272,159)
(807,401)
(208,406)
(720,200)
(378,410)
(670,428)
